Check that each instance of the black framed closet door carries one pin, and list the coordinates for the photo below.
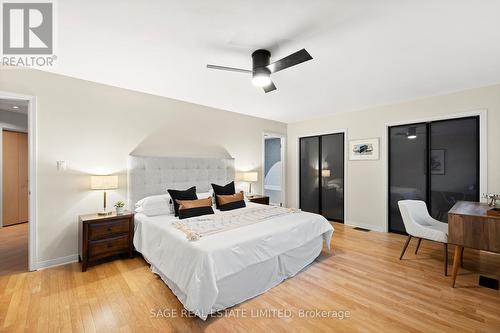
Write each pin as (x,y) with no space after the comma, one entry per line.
(454,164)
(332,176)
(407,169)
(436,162)
(309,177)
(321,173)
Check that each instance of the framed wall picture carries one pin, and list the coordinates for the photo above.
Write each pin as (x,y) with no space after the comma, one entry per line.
(437,161)
(365,149)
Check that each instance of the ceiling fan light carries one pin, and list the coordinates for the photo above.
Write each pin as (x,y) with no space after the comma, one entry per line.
(261,77)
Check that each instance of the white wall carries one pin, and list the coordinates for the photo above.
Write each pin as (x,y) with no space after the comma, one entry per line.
(94,127)
(366,180)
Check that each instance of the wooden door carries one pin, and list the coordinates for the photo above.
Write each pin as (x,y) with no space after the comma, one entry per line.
(14,177)
(10,178)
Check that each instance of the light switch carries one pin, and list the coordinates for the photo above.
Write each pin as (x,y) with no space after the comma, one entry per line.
(61,165)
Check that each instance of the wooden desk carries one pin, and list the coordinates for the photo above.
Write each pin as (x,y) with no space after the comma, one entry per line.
(470,226)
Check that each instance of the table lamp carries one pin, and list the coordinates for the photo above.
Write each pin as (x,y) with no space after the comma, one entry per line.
(249,177)
(104,183)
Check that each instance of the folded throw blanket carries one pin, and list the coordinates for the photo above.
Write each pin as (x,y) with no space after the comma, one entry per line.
(201,226)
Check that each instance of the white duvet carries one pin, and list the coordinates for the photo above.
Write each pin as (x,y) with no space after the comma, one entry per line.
(196,267)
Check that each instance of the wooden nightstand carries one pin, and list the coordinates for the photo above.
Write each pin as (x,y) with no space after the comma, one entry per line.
(261,199)
(105,236)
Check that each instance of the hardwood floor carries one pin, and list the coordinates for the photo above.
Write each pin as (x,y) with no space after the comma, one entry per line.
(14,249)
(363,275)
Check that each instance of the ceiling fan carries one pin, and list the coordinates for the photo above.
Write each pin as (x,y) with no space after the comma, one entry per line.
(262,68)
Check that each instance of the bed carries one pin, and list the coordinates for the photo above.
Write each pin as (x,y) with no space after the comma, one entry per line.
(223,269)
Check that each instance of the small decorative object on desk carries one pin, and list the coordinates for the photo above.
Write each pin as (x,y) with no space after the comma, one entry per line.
(492,198)
(119,205)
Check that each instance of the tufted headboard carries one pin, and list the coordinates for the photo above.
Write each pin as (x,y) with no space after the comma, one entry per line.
(154,175)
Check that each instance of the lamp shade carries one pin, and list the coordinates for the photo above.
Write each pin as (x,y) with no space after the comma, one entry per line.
(103,182)
(247,176)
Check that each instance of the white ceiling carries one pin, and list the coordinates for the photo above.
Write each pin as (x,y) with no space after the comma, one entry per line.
(11,104)
(366,52)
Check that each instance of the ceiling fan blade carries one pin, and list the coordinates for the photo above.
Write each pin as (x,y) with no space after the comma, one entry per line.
(289,61)
(269,87)
(231,69)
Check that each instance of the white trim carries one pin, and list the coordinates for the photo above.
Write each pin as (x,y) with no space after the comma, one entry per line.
(346,159)
(57,261)
(32,234)
(483,149)
(365,226)
(283,162)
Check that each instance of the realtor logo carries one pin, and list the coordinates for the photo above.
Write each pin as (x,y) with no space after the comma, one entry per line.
(27,28)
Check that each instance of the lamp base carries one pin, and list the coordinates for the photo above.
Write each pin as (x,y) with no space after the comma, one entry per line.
(104,213)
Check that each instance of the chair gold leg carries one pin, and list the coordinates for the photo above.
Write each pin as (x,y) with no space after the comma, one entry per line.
(418,245)
(405,246)
(445,259)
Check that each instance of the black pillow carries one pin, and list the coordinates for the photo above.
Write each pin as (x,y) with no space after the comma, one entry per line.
(189,194)
(223,190)
(193,212)
(232,205)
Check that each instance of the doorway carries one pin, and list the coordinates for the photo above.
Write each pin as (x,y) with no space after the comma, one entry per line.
(274,170)
(437,162)
(14,189)
(321,180)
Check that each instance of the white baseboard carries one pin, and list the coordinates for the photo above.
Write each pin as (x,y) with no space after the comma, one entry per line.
(56,262)
(365,226)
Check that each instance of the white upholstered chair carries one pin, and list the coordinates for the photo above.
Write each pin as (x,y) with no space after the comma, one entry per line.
(419,224)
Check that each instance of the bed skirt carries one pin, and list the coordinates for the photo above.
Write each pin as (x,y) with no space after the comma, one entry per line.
(255,279)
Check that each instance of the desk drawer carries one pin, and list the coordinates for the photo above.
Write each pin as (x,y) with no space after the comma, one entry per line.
(477,232)
(108,247)
(108,229)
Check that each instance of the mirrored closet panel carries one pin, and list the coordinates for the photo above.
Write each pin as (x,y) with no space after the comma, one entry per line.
(437,162)
(322,175)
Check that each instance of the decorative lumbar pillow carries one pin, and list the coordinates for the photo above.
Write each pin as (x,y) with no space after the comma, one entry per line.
(230,202)
(223,190)
(193,208)
(203,195)
(189,194)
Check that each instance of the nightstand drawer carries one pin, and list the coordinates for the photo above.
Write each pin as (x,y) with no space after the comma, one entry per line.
(108,247)
(108,229)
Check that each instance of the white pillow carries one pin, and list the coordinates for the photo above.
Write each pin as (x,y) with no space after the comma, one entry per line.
(154,205)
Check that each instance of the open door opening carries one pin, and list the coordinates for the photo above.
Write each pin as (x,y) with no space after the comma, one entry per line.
(14,171)
(274,168)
